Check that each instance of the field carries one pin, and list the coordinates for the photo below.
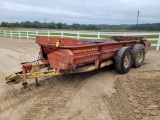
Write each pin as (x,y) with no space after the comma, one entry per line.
(98,95)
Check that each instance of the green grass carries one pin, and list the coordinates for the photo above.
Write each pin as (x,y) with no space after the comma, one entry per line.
(55,34)
(87,35)
(154,42)
(104,36)
(66,34)
(19,28)
(152,36)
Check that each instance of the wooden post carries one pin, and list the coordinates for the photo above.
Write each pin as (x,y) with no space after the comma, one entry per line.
(11,33)
(27,35)
(4,33)
(158,43)
(36,33)
(48,33)
(19,34)
(78,35)
(98,34)
(61,34)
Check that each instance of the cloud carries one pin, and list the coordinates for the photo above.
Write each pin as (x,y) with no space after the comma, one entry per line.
(81,11)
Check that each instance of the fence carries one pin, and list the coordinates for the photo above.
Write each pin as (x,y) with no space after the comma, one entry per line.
(154,38)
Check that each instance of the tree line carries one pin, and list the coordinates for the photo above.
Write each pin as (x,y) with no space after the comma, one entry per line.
(75,26)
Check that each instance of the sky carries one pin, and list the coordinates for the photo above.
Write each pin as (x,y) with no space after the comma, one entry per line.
(113,12)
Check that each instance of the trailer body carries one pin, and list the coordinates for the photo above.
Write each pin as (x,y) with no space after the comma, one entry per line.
(66,55)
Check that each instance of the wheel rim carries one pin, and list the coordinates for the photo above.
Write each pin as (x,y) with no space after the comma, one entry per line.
(140,56)
(127,61)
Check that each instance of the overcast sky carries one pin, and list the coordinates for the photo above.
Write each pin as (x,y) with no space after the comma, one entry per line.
(81,11)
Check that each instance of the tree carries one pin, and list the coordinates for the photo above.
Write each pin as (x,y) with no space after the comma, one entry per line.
(76,26)
(59,25)
(36,24)
(5,24)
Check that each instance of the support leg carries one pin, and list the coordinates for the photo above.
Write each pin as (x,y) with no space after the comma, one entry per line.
(24,78)
(37,84)
(25,85)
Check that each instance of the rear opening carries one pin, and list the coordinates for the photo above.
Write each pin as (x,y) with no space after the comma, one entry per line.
(127,38)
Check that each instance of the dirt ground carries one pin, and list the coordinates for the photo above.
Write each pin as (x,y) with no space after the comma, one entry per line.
(98,95)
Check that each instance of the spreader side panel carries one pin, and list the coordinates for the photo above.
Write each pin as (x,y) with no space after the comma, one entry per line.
(60,59)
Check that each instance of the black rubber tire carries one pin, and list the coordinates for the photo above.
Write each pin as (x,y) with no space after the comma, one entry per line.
(120,58)
(136,49)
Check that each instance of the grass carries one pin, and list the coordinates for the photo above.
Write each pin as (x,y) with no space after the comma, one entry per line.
(32,29)
(154,42)
(152,36)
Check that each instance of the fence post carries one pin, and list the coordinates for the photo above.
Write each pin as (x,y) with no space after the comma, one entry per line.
(98,34)
(11,33)
(4,33)
(27,35)
(124,34)
(158,44)
(78,35)
(36,33)
(19,34)
(61,34)
(48,33)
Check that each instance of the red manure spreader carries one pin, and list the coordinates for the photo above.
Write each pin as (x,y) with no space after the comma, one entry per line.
(59,56)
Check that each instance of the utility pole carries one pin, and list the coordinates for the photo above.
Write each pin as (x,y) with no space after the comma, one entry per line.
(45,23)
(45,20)
(137,19)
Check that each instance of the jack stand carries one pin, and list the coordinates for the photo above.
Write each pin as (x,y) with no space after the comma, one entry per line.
(37,84)
(25,85)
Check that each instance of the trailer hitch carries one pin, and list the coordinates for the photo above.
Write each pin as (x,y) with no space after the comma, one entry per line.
(30,71)
(28,68)
(14,78)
